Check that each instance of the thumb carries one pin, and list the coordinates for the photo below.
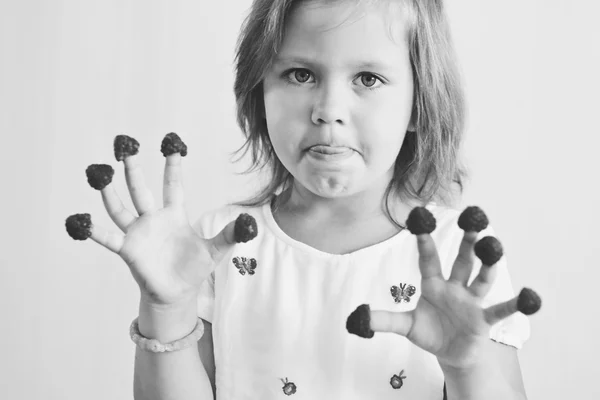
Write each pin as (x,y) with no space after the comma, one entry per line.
(364,322)
(243,229)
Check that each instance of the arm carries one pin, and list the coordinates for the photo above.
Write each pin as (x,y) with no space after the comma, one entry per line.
(171,375)
(206,351)
(499,379)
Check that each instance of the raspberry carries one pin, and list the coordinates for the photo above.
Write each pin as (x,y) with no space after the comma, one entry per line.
(528,302)
(473,219)
(489,250)
(79,226)
(99,175)
(359,322)
(420,220)
(245,228)
(125,146)
(172,144)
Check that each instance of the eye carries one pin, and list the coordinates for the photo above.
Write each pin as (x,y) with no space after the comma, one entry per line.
(369,80)
(301,75)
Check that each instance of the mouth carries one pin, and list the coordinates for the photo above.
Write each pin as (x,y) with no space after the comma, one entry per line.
(329,150)
(330,153)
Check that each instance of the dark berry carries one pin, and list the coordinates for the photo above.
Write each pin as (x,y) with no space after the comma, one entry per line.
(245,228)
(79,226)
(420,220)
(528,302)
(99,175)
(489,250)
(125,146)
(172,144)
(359,322)
(473,219)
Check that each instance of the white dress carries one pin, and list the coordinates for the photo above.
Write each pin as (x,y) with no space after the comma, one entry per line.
(278,309)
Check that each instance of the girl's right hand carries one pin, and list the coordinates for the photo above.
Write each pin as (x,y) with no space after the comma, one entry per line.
(166,257)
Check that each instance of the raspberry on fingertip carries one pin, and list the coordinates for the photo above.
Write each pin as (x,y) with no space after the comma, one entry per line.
(489,250)
(79,226)
(125,146)
(172,144)
(99,175)
(245,228)
(529,302)
(473,219)
(359,322)
(420,221)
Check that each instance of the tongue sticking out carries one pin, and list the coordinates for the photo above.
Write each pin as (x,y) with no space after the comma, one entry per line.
(329,149)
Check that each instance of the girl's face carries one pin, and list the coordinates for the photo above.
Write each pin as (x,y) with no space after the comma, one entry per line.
(339,96)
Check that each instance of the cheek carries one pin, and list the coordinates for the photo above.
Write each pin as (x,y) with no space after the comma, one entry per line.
(383,131)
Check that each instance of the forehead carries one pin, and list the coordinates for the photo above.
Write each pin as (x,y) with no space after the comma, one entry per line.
(342,31)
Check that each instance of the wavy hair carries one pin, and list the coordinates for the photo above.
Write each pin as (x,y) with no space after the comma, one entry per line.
(427,166)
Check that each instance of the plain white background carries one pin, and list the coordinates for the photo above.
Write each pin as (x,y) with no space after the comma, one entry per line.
(75,73)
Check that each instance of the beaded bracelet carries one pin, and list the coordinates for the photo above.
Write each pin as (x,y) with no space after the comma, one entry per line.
(155,346)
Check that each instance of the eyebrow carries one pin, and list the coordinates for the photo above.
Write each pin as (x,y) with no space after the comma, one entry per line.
(360,64)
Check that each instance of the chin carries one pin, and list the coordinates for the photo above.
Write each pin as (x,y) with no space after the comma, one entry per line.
(330,188)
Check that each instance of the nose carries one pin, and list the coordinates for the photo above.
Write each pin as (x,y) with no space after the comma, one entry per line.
(330,105)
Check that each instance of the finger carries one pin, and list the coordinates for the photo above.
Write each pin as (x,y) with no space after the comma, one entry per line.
(173,182)
(429,261)
(463,265)
(111,240)
(482,284)
(121,216)
(387,321)
(222,242)
(140,194)
(527,302)
(499,311)
(243,229)
(364,322)
(80,227)
(489,250)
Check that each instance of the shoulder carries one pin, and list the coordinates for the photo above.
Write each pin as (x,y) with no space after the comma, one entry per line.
(211,222)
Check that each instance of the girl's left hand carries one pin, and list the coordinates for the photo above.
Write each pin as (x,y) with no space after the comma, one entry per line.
(448,320)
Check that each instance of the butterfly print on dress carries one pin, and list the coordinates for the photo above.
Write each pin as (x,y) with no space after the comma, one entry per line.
(244,265)
(403,292)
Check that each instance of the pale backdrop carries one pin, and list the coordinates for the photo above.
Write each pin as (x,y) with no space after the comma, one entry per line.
(73,74)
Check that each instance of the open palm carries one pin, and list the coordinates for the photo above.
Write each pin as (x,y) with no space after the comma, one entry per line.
(165,255)
(448,320)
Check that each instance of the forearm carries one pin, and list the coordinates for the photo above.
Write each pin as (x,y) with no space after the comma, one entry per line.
(170,375)
(485,381)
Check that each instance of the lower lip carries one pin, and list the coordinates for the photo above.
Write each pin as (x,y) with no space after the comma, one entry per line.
(337,156)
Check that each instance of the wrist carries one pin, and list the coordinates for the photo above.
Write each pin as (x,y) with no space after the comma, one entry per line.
(481,381)
(167,323)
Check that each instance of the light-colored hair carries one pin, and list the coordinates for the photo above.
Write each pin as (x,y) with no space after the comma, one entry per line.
(427,166)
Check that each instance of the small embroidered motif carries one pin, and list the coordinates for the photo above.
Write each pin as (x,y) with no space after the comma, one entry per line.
(244,265)
(402,292)
(289,388)
(396,380)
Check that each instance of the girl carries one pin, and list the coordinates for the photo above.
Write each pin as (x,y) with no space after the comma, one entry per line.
(356,109)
